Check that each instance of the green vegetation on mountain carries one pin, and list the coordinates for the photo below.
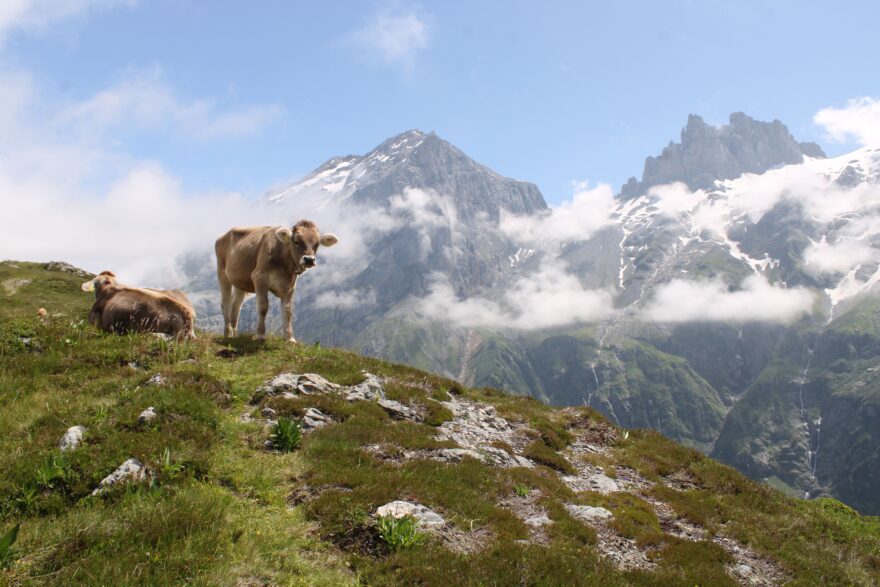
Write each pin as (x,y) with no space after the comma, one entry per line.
(217,507)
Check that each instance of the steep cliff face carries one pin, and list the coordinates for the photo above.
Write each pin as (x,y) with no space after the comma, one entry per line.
(707,153)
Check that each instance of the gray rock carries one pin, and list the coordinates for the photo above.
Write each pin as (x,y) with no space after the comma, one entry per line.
(369,389)
(131,470)
(72,438)
(147,416)
(314,418)
(157,379)
(398,410)
(538,521)
(269,413)
(66,268)
(293,384)
(423,515)
(588,513)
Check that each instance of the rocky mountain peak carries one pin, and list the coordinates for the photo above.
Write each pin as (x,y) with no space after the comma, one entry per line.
(707,153)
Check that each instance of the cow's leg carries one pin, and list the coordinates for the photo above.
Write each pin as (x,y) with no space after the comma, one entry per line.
(287,306)
(226,303)
(238,297)
(262,309)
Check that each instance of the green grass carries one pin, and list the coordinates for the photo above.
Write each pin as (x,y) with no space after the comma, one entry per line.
(222,510)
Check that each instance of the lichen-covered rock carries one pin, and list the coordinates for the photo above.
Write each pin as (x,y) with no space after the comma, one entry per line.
(72,438)
(423,515)
(131,470)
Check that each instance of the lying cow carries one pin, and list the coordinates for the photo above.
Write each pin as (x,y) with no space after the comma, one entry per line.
(122,309)
(261,260)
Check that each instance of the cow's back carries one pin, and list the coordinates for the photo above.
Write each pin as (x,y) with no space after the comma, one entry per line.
(238,251)
(122,310)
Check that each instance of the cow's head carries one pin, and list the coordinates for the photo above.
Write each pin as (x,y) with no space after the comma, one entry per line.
(304,240)
(102,279)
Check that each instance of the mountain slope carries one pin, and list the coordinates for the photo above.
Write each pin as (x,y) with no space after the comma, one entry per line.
(448,265)
(582,503)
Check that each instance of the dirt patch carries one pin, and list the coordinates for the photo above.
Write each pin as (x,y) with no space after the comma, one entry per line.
(682,481)
(306,493)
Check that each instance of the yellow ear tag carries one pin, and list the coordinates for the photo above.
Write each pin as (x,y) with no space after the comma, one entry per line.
(89,285)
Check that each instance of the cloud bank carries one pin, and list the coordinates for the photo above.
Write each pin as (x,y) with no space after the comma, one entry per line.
(549,298)
(588,210)
(689,301)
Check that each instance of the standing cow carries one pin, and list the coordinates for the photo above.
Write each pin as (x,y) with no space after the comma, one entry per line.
(121,309)
(265,259)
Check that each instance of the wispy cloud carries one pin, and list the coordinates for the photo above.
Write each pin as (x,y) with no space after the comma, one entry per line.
(37,15)
(145,101)
(757,300)
(395,35)
(859,120)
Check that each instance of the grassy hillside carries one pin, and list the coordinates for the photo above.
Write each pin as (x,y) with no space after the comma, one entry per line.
(218,507)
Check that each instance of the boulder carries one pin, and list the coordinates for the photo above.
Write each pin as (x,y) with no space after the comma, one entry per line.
(397,410)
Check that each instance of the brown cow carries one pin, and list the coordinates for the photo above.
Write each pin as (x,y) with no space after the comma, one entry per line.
(265,259)
(121,309)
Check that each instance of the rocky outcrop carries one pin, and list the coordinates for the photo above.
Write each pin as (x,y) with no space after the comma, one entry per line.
(131,471)
(707,153)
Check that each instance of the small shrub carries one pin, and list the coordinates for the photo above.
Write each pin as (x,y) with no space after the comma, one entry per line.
(7,553)
(543,454)
(26,498)
(399,533)
(521,490)
(436,414)
(168,469)
(50,471)
(287,435)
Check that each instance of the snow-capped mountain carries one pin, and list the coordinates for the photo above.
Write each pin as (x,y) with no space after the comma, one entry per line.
(725,299)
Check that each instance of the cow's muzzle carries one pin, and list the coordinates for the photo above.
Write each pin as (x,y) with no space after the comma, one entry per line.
(309,261)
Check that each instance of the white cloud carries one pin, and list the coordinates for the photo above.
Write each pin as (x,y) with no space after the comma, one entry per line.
(396,38)
(37,15)
(143,100)
(344,300)
(587,211)
(549,298)
(137,228)
(683,300)
(859,119)
(839,257)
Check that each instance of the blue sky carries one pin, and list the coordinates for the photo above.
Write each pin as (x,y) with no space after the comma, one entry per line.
(549,92)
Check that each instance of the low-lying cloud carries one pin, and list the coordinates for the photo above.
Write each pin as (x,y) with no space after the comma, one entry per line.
(549,298)
(588,210)
(683,300)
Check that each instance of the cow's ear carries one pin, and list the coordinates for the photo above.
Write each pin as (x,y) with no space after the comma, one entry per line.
(284,234)
(328,240)
(89,285)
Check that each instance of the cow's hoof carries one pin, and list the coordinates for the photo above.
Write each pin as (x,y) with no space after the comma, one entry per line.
(292,340)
